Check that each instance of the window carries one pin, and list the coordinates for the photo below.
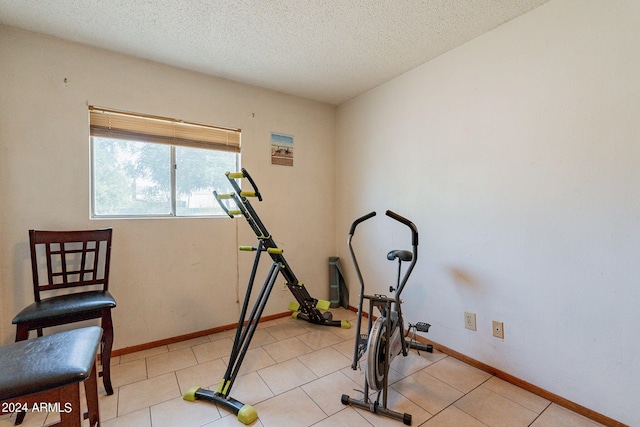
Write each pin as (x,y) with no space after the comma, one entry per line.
(145,166)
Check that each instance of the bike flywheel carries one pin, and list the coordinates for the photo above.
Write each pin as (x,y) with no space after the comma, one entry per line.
(375,369)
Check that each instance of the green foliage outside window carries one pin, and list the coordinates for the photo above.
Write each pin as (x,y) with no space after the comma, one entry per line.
(132,178)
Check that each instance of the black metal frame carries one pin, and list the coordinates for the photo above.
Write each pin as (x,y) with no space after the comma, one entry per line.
(244,334)
(307,305)
(247,325)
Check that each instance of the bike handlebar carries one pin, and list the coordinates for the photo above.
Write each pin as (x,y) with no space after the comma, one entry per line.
(359,220)
(405,221)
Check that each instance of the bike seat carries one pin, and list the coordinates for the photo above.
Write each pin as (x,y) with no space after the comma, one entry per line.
(403,255)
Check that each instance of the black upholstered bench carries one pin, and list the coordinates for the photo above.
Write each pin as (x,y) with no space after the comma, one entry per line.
(44,374)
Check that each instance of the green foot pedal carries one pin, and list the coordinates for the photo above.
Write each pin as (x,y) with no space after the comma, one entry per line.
(190,395)
(247,414)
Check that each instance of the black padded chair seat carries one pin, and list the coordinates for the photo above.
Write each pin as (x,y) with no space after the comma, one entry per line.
(64,305)
(46,363)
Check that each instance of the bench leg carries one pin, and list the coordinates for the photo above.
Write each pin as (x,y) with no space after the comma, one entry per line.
(91,393)
(70,394)
(66,399)
(22,333)
(19,418)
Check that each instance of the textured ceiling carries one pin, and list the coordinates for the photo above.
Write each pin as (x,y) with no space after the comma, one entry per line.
(325,50)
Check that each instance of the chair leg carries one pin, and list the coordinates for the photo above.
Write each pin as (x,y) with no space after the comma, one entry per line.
(105,357)
(22,332)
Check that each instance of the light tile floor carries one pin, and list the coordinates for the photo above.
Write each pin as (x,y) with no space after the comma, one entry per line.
(294,375)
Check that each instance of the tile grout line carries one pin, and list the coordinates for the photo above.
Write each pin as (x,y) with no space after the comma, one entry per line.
(540,414)
(452,403)
(462,397)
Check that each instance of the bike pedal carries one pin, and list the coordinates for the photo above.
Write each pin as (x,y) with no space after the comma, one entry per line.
(422,327)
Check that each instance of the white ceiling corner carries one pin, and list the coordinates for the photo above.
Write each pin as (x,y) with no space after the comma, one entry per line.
(329,51)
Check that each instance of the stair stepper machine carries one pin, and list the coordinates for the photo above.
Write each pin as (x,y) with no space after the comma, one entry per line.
(304,308)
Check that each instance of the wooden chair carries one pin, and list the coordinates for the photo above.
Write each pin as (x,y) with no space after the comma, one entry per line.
(73,286)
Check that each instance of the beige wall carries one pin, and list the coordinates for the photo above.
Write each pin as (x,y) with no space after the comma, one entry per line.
(517,157)
(169,276)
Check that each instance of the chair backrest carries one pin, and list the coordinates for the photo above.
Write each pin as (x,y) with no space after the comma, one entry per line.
(70,258)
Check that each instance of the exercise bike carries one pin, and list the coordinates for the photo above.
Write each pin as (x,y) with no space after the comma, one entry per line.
(386,337)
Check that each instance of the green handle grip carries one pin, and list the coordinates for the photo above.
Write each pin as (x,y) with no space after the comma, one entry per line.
(247,248)
(235,212)
(235,175)
(275,251)
(248,194)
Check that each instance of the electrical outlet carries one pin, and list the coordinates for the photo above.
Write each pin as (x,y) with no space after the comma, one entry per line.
(498,329)
(284,286)
(470,321)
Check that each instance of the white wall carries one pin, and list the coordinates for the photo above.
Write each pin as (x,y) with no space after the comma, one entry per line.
(517,157)
(169,276)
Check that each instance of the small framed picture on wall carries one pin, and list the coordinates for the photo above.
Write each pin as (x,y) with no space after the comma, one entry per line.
(281,149)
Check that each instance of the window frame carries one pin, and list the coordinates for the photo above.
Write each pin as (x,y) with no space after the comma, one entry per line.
(210,139)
